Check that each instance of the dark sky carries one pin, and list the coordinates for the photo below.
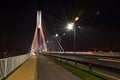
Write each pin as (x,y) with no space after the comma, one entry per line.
(99,21)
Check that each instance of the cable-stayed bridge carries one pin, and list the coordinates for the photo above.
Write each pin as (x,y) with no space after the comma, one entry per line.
(38,67)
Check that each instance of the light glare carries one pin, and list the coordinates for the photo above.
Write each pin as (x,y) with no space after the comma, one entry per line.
(70,26)
(77,18)
(56,35)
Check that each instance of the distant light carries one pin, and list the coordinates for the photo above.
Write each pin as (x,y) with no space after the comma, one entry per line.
(39,26)
(43,50)
(78,26)
(33,54)
(63,34)
(47,41)
(77,18)
(70,26)
(56,35)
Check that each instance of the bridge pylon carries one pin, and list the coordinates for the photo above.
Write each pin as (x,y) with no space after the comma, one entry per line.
(39,42)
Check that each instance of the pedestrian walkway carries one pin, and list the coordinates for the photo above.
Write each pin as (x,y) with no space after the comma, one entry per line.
(46,70)
(26,71)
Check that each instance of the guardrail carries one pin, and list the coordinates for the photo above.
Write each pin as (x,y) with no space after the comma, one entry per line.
(7,65)
(88,53)
(76,61)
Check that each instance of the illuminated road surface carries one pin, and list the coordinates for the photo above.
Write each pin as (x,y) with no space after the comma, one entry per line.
(97,60)
(47,70)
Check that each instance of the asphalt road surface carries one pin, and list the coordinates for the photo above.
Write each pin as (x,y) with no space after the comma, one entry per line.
(93,59)
(47,70)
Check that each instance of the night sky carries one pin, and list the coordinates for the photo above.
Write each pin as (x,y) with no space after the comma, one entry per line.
(99,21)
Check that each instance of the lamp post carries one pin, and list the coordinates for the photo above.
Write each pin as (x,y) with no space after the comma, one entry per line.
(71,26)
(74,40)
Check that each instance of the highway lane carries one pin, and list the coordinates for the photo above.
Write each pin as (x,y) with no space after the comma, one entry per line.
(47,70)
(95,60)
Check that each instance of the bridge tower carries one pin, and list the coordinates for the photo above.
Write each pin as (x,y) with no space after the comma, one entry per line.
(39,42)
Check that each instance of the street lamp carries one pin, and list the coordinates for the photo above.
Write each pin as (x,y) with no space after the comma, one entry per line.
(71,26)
(56,35)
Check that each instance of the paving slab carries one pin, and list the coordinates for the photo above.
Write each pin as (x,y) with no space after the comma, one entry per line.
(26,71)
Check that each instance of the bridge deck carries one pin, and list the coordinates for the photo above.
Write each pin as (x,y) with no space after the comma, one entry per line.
(45,70)
(26,71)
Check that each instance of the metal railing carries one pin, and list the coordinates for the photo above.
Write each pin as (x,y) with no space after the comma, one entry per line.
(89,64)
(7,65)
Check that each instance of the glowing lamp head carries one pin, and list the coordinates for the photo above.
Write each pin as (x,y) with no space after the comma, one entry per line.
(77,18)
(47,41)
(56,35)
(70,26)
